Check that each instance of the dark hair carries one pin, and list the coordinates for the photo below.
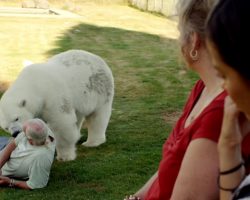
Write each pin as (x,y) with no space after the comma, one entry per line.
(227,28)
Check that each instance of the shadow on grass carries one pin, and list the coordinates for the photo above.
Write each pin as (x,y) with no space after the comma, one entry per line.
(140,62)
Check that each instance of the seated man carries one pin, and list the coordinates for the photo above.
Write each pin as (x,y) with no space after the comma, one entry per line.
(26,161)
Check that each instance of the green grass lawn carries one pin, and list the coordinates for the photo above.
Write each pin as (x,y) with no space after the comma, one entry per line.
(151,87)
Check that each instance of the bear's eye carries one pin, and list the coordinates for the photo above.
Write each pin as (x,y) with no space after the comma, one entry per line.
(16,119)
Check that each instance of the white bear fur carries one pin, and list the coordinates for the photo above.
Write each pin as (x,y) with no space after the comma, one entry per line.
(70,88)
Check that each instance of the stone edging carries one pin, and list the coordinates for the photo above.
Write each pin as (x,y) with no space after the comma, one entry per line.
(36,12)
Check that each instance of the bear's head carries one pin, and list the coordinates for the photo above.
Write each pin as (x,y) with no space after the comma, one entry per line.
(13,114)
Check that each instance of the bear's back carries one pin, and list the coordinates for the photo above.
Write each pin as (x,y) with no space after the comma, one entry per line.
(78,64)
(74,73)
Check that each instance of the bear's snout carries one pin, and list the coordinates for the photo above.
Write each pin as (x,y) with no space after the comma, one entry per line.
(15,129)
(14,134)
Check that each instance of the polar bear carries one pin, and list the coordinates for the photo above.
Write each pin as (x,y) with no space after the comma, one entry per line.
(70,88)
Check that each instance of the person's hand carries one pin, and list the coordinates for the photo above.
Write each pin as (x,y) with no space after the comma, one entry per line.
(235,125)
(4,180)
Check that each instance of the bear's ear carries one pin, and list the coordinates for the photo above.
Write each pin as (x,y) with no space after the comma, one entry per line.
(22,103)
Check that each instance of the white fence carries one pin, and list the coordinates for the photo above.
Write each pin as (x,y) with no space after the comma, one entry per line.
(165,7)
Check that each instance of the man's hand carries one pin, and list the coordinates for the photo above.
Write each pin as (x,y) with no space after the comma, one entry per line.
(4,181)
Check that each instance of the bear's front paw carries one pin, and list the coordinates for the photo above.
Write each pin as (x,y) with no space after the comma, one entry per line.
(66,157)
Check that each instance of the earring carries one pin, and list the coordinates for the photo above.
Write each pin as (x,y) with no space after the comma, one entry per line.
(194,54)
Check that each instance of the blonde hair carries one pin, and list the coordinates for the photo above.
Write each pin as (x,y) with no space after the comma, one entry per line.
(192,18)
(36,130)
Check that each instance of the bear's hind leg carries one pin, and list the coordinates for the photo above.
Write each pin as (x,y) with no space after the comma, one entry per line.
(97,124)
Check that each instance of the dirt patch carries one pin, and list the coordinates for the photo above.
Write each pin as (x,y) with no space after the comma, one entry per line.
(171,118)
(4,86)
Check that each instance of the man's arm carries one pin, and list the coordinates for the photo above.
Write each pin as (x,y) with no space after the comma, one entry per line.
(5,155)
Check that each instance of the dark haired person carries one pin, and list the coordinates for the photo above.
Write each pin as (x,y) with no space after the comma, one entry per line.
(228,40)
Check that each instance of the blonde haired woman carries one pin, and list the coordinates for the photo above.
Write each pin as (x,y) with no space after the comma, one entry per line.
(189,165)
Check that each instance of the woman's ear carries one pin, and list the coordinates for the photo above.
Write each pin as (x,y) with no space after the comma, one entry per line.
(195,41)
